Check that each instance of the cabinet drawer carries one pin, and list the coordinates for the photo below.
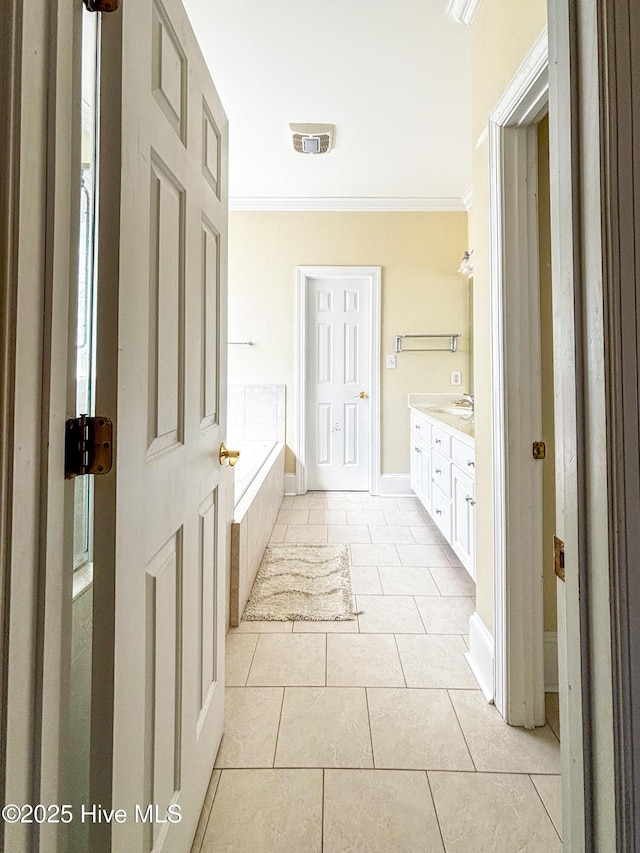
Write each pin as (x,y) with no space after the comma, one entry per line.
(441,471)
(441,511)
(420,428)
(463,456)
(441,441)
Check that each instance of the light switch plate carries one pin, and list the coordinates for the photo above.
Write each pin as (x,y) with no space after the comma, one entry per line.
(456,377)
(390,361)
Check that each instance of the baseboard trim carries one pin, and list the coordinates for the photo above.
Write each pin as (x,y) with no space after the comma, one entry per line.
(395,484)
(551,684)
(290,484)
(480,656)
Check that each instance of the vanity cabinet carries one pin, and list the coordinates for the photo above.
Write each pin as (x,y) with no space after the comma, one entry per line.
(443,478)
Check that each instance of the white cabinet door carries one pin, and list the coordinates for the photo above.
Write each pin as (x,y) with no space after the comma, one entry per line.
(416,466)
(426,463)
(159,583)
(463,519)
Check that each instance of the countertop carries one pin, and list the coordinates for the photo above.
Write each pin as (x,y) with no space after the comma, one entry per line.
(424,404)
(461,423)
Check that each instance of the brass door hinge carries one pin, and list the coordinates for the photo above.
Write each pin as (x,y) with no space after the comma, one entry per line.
(558,557)
(88,446)
(102,5)
(539,450)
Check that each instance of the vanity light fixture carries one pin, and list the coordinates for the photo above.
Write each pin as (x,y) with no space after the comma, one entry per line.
(466,265)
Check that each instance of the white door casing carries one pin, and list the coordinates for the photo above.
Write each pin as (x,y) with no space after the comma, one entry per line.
(39,175)
(338,359)
(159,579)
(516,393)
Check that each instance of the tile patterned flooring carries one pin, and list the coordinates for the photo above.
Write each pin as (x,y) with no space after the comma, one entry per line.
(372,736)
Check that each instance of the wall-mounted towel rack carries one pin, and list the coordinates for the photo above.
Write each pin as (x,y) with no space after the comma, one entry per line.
(242,343)
(453,343)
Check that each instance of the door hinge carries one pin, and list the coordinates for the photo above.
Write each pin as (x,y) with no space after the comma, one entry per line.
(102,5)
(558,557)
(539,450)
(88,446)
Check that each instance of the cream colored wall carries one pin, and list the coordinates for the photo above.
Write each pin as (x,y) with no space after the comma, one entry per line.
(421,292)
(546,340)
(503,32)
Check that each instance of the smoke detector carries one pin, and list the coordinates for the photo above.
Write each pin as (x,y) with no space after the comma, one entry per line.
(312,138)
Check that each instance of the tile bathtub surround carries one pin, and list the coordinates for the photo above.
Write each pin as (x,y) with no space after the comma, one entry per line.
(340,736)
(256,412)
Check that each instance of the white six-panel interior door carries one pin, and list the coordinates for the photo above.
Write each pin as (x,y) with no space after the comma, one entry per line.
(161,515)
(339,394)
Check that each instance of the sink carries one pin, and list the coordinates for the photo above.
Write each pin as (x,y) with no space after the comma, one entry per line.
(462,411)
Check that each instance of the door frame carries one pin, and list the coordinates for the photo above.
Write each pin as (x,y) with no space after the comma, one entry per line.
(620,59)
(373,275)
(517,391)
(39,144)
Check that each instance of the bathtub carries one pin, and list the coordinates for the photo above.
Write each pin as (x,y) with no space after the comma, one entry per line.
(258,488)
(253,455)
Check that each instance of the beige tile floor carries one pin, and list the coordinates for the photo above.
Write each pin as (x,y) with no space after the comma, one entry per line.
(371,736)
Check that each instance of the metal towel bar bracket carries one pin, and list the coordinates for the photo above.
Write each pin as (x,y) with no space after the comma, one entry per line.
(453,343)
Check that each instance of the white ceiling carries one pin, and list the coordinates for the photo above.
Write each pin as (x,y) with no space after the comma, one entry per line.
(392,75)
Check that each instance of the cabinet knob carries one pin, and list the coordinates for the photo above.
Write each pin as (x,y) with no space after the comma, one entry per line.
(438,512)
(471,463)
(438,441)
(471,502)
(438,470)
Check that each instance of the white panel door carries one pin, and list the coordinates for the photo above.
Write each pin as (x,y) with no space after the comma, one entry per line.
(337,383)
(159,593)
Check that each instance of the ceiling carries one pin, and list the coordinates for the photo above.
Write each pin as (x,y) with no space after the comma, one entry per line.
(393,76)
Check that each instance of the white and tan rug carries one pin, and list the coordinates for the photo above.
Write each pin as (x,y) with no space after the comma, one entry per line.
(306,582)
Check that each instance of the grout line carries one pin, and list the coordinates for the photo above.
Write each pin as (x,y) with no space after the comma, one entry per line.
(326,659)
(435,810)
(415,604)
(373,755)
(398,769)
(275,749)
(377,568)
(544,806)
(255,648)
(213,799)
(435,580)
(322,816)
(400,659)
(464,737)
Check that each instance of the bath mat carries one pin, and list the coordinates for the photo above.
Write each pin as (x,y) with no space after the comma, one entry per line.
(306,582)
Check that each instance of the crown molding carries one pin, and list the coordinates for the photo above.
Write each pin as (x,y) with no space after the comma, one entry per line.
(467,198)
(345,203)
(463,11)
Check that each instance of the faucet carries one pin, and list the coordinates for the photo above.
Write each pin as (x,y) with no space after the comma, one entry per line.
(467,401)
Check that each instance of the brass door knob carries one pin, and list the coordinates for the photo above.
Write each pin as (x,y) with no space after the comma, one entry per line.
(230,456)
(363,395)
